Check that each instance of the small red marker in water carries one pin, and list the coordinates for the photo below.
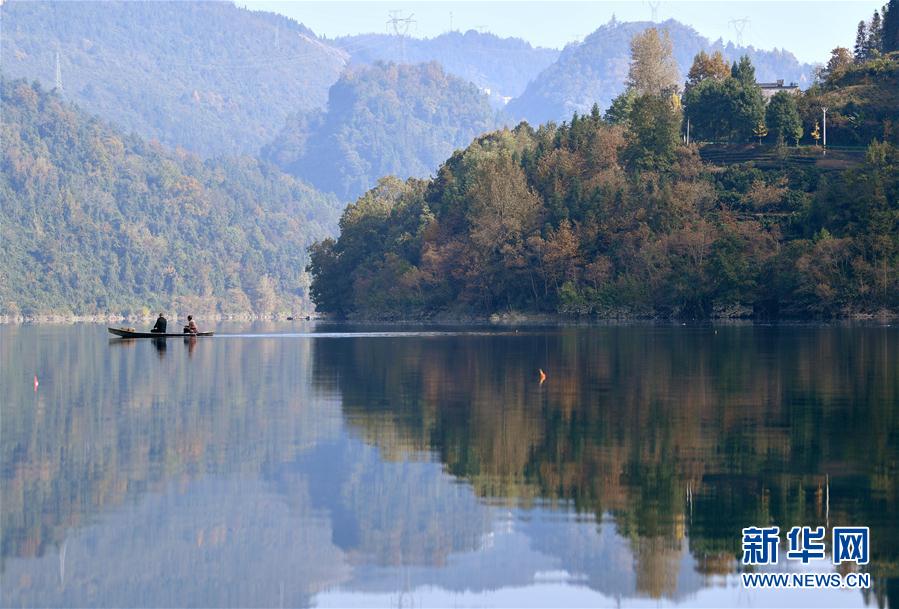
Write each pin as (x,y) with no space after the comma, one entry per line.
(35,383)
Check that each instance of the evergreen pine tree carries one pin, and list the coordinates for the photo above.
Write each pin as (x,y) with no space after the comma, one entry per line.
(744,71)
(861,43)
(873,46)
(890,30)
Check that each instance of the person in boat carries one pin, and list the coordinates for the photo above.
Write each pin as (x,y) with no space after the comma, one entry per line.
(160,326)
(191,327)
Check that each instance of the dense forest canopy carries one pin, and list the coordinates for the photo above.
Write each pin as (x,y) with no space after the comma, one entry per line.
(616,216)
(595,70)
(94,221)
(208,76)
(383,119)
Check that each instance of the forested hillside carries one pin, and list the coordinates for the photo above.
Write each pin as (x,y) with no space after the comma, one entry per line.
(502,67)
(95,221)
(862,101)
(617,217)
(208,76)
(594,70)
(384,119)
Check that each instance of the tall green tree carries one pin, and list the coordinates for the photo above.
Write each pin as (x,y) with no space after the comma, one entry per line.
(875,36)
(620,110)
(654,131)
(726,109)
(860,51)
(782,118)
(708,105)
(890,32)
(744,71)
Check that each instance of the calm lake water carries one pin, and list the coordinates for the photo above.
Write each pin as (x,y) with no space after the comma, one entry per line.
(302,468)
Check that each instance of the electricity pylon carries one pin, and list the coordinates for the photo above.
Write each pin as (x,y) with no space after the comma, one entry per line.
(58,84)
(401,27)
(739,25)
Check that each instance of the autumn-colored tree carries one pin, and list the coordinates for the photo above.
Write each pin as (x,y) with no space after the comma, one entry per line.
(840,59)
(760,131)
(561,257)
(707,66)
(816,132)
(502,207)
(653,70)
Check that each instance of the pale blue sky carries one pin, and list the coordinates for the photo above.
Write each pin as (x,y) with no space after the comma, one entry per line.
(810,29)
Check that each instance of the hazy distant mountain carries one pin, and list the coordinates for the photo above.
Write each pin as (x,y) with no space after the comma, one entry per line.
(97,221)
(209,76)
(595,70)
(502,67)
(383,119)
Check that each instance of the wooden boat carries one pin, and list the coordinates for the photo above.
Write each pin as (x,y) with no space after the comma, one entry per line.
(129,333)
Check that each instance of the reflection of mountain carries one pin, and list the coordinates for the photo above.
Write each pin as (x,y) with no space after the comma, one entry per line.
(389,513)
(752,421)
(209,543)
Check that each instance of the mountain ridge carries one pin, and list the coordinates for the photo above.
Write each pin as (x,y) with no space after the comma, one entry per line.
(595,70)
(209,76)
(382,119)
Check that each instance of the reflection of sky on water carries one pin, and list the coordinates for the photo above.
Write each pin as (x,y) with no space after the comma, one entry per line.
(309,510)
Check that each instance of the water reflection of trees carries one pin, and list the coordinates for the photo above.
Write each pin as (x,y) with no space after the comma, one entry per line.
(103,429)
(678,433)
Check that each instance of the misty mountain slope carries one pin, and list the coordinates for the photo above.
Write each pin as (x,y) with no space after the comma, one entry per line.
(383,119)
(502,67)
(595,70)
(208,76)
(96,221)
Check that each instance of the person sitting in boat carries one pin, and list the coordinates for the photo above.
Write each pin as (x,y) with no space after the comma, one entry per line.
(191,327)
(160,326)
